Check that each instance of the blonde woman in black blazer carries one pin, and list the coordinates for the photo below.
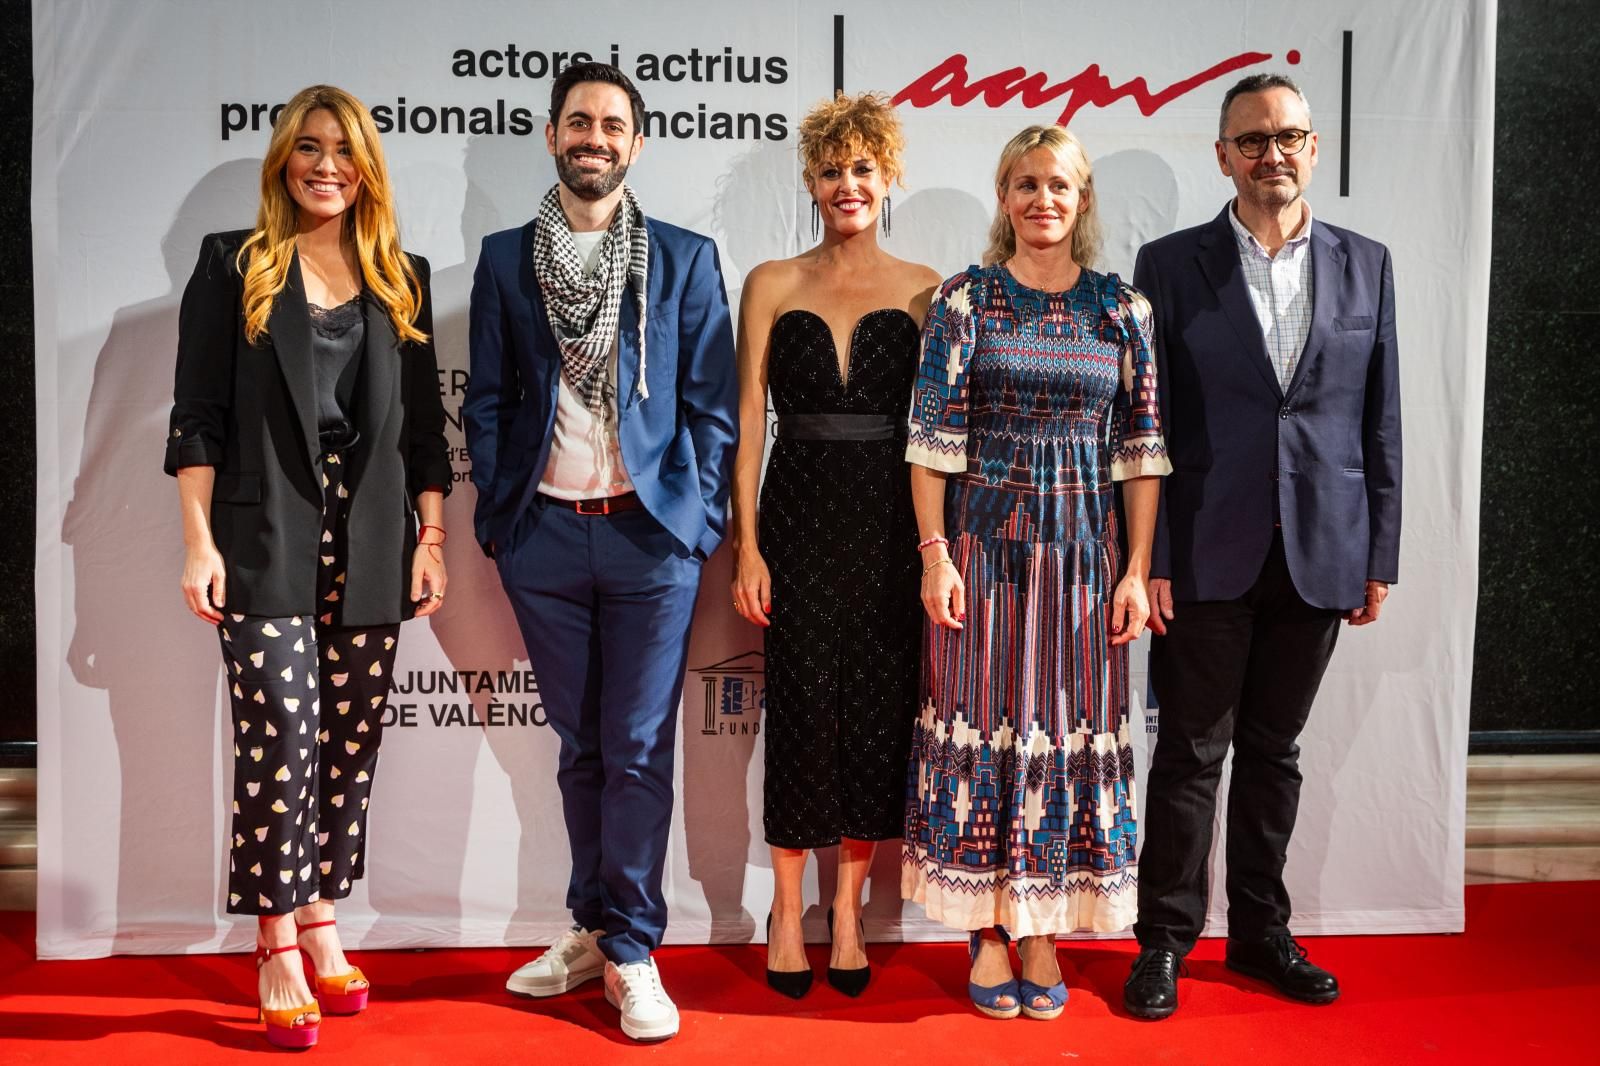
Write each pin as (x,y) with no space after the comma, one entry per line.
(307,436)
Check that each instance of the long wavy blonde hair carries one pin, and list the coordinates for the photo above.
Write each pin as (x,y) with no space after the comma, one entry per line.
(1068,149)
(369,224)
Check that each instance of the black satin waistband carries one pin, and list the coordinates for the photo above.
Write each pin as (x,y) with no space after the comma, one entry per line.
(838,426)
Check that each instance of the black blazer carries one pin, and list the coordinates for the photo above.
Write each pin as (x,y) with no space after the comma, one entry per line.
(251,412)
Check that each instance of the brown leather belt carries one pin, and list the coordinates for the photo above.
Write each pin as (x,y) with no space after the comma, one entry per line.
(597,507)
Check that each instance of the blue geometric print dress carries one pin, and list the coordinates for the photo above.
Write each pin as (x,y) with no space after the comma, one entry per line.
(1021,806)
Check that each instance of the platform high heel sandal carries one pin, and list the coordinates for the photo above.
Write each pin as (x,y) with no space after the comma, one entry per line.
(287,1028)
(335,993)
(1056,994)
(987,1000)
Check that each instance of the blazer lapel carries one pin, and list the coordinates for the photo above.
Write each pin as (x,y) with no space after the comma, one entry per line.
(544,338)
(289,326)
(1327,273)
(1219,259)
(375,393)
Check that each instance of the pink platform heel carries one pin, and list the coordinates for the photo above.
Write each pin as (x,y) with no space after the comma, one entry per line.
(334,993)
(288,1028)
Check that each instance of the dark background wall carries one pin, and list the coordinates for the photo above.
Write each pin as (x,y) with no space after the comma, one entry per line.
(1534,677)
(17,675)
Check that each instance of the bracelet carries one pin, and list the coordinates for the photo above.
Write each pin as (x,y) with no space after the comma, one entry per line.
(936,562)
(443,536)
(931,541)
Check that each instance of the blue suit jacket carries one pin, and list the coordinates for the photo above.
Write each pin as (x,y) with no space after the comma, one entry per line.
(1323,454)
(677,445)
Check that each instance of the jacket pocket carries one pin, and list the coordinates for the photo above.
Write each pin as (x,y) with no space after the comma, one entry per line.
(1353,322)
(236,488)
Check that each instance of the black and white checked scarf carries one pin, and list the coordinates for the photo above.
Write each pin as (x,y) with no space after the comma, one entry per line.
(584,308)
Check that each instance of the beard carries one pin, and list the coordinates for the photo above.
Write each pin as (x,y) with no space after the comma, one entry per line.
(590,184)
(1274,196)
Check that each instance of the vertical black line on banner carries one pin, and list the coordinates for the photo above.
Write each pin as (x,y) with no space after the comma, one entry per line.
(838,54)
(1344,120)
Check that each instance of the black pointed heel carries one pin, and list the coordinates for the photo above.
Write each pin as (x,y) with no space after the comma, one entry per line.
(851,982)
(792,983)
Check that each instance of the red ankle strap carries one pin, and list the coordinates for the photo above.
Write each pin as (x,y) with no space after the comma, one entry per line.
(263,950)
(298,928)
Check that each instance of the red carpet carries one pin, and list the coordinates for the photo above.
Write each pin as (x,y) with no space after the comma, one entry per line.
(1519,985)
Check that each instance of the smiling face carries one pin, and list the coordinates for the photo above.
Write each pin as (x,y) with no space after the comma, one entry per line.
(1274,181)
(849,193)
(320,175)
(593,140)
(1041,199)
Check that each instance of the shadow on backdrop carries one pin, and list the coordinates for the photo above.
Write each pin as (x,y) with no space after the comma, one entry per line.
(132,635)
(505,177)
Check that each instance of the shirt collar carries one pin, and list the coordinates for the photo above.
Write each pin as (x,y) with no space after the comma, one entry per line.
(1247,240)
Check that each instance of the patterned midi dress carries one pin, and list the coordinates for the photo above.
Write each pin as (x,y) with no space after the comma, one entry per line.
(1021,793)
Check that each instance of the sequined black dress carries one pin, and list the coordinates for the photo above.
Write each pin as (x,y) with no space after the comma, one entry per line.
(839,536)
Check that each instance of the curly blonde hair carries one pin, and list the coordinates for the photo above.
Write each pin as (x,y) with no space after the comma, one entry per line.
(1068,149)
(850,126)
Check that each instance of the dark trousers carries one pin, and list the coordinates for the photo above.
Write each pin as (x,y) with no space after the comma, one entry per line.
(604,604)
(1243,671)
(307,701)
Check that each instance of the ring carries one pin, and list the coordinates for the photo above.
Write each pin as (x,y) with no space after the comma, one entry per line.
(436,596)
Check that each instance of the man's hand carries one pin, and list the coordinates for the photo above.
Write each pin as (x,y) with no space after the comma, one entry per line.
(1377,592)
(1160,605)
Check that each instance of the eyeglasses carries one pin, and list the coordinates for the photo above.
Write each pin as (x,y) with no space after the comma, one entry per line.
(1254,145)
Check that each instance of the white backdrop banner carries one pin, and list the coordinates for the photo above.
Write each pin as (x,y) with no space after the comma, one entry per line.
(150,121)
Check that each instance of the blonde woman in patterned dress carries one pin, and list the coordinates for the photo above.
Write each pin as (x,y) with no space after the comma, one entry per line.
(1036,394)
(307,437)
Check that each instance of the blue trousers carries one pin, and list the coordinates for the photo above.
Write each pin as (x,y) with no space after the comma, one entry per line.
(604,604)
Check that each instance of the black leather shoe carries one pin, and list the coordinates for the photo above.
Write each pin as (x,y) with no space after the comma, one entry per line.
(1281,962)
(1151,990)
(792,983)
(851,982)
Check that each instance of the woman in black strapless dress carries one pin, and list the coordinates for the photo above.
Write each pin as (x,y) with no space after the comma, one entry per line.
(830,566)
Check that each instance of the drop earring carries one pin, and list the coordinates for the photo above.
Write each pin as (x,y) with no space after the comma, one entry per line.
(816,220)
(887,202)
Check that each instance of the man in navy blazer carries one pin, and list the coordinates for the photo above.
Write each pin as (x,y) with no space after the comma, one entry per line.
(1276,355)
(600,417)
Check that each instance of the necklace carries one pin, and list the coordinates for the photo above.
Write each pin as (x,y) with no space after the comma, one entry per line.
(1048,284)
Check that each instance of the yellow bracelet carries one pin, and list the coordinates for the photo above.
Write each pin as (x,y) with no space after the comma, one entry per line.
(936,562)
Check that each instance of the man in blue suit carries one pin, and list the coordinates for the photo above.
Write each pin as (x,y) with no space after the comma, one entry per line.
(1276,355)
(601,421)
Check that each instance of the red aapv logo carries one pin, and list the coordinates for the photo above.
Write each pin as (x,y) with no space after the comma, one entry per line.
(948,80)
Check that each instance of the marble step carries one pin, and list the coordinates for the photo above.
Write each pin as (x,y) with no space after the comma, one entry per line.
(1533,818)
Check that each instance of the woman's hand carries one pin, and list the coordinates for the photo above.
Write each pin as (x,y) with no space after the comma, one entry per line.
(205,581)
(752,586)
(944,596)
(427,577)
(1130,609)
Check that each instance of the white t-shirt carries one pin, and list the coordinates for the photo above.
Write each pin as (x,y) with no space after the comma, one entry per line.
(575,470)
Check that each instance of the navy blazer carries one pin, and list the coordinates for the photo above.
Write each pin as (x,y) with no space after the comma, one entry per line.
(677,445)
(250,410)
(1322,457)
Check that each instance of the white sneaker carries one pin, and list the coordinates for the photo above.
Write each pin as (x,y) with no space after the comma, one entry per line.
(635,989)
(573,959)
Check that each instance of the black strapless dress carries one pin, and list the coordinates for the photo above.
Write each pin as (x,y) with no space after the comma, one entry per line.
(838,533)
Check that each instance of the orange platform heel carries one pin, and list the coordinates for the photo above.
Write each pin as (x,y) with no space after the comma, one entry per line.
(287,1028)
(334,992)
